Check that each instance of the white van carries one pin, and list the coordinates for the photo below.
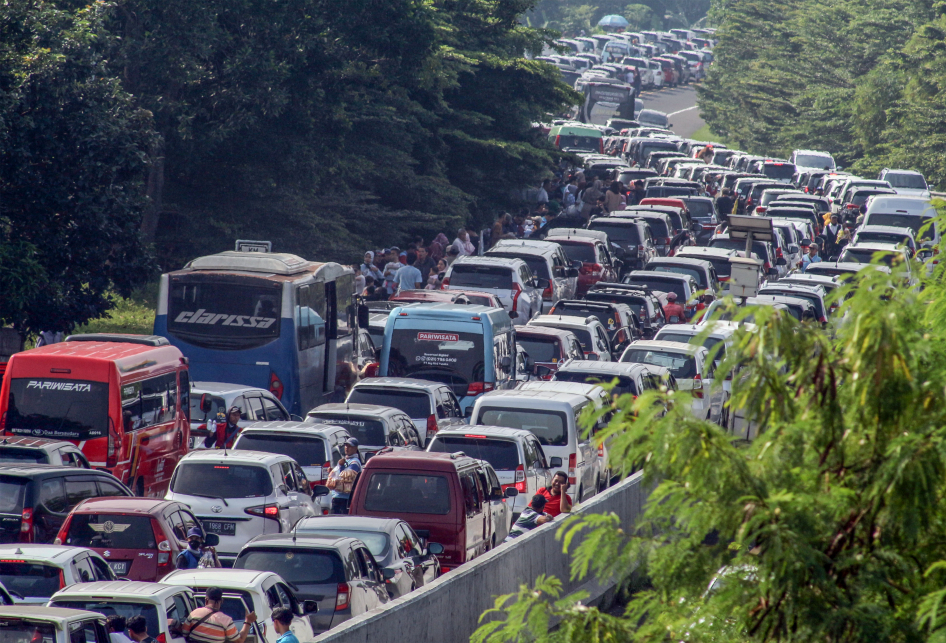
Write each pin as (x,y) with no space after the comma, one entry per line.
(547,261)
(550,410)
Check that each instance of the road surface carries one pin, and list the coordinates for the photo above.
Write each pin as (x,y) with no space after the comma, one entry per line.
(680,104)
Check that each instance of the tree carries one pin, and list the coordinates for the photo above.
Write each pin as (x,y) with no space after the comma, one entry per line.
(828,527)
(70,173)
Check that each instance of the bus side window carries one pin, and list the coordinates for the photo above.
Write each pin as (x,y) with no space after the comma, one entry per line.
(149,402)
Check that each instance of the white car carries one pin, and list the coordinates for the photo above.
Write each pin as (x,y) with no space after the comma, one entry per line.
(657,71)
(210,401)
(52,625)
(691,367)
(906,182)
(548,261)
(260,592)
(25,450)
(812,160)
(33,573)
(590,332)
(161,605)
(241,494)
(519,290)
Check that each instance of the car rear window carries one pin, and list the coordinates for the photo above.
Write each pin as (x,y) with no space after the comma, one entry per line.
(908,181)
(308,451)
(682,366)
(115,531)
(814,160)
(12,492)
(209,480)
(865,255)
(883,237)
(481,276)
(624,384)
(778,170)
(413,493)
(583,252)
(618,234)
(119,608)
(368,432)
(697,274)
(700,209)
(550,427)
(541,350)
(295,564)
(29,580)
(28,630)
(502,454)
(28,456)
(538,265)
(658,227)
(607,317)
(415,404)
(377,542)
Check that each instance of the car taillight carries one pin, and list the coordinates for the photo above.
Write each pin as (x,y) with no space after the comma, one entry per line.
(852,206)
(161,638)
(62,579)
(778,252)
(760,209)
(431,425)
(164,546)
(343,598)
(558,140)
(766,266)
(111,455)
(63,531)
(516,290)
(521,479)
(572,468)
(326,469)
(823,319)
(547,293)
(26,526)
(264,511)
(371,370)
(601,450)
(601,145)
(475,388)
(698,386)
(3,424)
(275,385)
(444,283)
(444,569)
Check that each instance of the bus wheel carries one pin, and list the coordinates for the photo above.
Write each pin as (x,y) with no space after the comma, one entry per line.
(140,487)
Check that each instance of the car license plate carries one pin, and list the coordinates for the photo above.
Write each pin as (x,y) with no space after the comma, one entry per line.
(119,567)
(220,528)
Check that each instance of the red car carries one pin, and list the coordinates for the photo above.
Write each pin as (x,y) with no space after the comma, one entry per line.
(590,247)
(548,347)
(139,537)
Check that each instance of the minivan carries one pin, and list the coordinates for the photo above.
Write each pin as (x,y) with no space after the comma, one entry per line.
(547,261)
(470,349)
(519,290)
(444,497)
(375,427)
(550,410)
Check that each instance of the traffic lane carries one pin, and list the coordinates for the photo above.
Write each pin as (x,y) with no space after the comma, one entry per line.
(680,104)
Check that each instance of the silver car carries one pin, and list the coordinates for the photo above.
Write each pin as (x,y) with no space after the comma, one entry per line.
(519,290)
(548,261)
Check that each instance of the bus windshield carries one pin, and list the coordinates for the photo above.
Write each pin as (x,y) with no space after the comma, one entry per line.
(230,314)
(454,358)
(46,408)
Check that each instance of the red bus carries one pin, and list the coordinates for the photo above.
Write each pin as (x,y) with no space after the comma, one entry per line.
(123,399)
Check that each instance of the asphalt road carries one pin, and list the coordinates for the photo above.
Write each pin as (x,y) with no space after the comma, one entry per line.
(680,104)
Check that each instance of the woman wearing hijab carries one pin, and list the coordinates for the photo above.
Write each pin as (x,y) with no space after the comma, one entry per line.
(368,269)
(438,247)
(462,243)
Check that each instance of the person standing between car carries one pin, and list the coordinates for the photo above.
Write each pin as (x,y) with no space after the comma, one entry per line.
(342,479)
(408,277)
(556,500)
(831,235)
(190,557)
(810,258)
(637,193)
(226,433)
(637,82)
(530,518)
(138,630)
(612,198)
(673,311)
(462,242)
(543,194)
(208,624)
(116,629)
(282,619)
(724,204)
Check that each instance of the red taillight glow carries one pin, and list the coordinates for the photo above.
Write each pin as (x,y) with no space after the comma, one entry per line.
(264,511)
(558,141)
(343,598)
(26,526)
(326,469)
(572,468)
(475,388)
(760,209)
(431,425)
(593,269)
(600,450)
(275,385)
(164,546)
(516,290)
(161,638)
(698,386)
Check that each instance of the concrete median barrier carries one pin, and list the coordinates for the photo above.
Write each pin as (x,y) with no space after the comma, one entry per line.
(448,610)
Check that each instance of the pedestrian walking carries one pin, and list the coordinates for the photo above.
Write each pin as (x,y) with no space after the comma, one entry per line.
(341,480)
(208,624)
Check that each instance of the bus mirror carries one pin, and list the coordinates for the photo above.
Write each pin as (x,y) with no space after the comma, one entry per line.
(205,403)
(362,316)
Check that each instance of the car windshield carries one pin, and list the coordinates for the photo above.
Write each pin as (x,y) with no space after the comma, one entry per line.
(29,580)
(12,492)
(541,350)
(696,273)
(629,177)
(376,541)
(637,304)
(681,365)
(624,384)
(709,343)
(110,531)
(415,403)
(502,454)
(53,408)
(908,181)
(452,358)
(550,427)
(217,405)
(575,251)
(117,608)
(481,277)
(213,480)
(758,248)
(865,255)
(301,566)
(814,160)
(308,451)
(367,431)
(623,235)
(15,630)
(413,493)
(860,198)
(28,456)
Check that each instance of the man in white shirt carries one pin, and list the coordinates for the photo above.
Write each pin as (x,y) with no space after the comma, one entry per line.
(543,195)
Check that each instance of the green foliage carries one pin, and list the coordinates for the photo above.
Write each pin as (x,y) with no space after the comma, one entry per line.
(133,314)
(830,526)
(73,159)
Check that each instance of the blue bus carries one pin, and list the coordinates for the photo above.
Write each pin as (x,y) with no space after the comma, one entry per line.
(270,320)
(472,349)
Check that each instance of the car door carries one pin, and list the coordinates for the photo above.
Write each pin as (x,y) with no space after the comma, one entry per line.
(528,463)
(412,558)
(51,510)
(176,610)
(273,408)
(371,582)
(301,627)
(476,526)
(289,500)
(502,511)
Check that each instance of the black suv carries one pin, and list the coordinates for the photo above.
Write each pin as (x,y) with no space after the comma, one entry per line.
(36,498)
(644,303)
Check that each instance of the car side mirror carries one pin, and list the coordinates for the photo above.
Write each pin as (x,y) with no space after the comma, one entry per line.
(434,548)
(781,262)
(320,490)
(554,463)
(211,540)
(577,264)
(497,494)
(541,283)
(283,489)
(511,492)
(773,272)
(806,242)
(310,607)
(468,413)
(793,249)
(530,364)
(205,403)
(571,272)
(362,316)
(388,573)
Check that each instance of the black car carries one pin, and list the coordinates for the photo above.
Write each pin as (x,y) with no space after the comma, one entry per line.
(621,331)
(35,499)
(631,240)
(644,303)
(703,211)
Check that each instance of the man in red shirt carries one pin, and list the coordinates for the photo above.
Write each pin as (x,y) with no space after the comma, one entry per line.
(673,311)
(556,500)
